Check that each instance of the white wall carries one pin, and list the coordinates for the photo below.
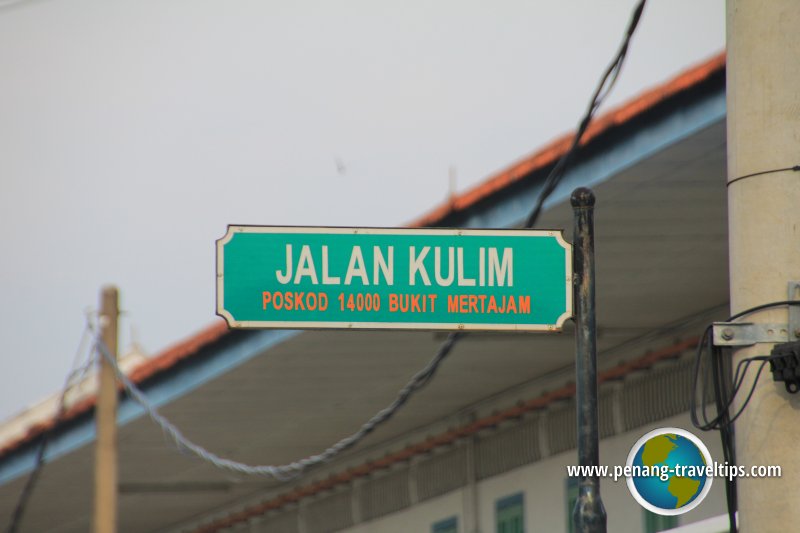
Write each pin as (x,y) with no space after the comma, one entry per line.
(544,486)
(419,517)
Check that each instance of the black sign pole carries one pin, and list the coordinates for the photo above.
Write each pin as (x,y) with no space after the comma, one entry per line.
(589,514)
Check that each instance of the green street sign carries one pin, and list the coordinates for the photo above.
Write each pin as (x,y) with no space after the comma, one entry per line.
(381,278)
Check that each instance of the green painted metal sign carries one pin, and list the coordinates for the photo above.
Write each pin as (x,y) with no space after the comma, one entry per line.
(380,278)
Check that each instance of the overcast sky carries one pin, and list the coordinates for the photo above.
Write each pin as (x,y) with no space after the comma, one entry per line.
(132,132)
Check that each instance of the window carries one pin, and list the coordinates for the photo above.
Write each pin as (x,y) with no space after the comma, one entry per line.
(509,514)
(653,523)
(571,493)
(446,526)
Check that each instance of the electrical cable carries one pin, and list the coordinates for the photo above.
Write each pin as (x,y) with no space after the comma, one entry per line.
(422,378)
(33,478)
(721,393)
(603,89)
(795,168)
(727,386)
(293,469)
(290,470)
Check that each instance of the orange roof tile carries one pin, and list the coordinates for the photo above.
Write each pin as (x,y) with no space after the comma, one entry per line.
(550,153)
(163,361)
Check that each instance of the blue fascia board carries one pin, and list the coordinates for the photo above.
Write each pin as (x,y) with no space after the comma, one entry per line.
(662,133)
(161,392)
(656,136)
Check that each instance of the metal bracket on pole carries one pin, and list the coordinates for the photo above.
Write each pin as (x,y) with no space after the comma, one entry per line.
(750,333)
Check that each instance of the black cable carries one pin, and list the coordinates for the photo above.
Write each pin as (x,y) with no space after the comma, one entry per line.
(726,390)
(735,384)
(721,398)
(695,379)
(795,168)
(27,490)
(761,307)
(30,483)
(600,93)
(603,89)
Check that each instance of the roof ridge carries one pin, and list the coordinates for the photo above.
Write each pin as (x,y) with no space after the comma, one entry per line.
(552,151)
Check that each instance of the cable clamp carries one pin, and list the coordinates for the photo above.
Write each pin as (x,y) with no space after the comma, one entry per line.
(784,362)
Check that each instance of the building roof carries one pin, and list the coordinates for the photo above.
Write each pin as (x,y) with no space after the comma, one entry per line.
(539,160)
(139,374)
(658,165)
(551,152)
(446,438)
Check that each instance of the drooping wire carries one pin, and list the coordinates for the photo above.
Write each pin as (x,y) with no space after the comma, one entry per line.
(422,378)
(75,375)
(603,89)
(291,470)
(727,386)
(288,471)
(736,381)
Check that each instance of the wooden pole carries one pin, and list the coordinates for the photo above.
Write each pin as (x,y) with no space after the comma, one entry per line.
(105,472)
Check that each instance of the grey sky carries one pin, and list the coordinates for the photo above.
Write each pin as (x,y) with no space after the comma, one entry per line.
(133,132)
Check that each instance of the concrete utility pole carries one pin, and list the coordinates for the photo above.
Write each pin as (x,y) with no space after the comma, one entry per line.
(764,230)
(105,469)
